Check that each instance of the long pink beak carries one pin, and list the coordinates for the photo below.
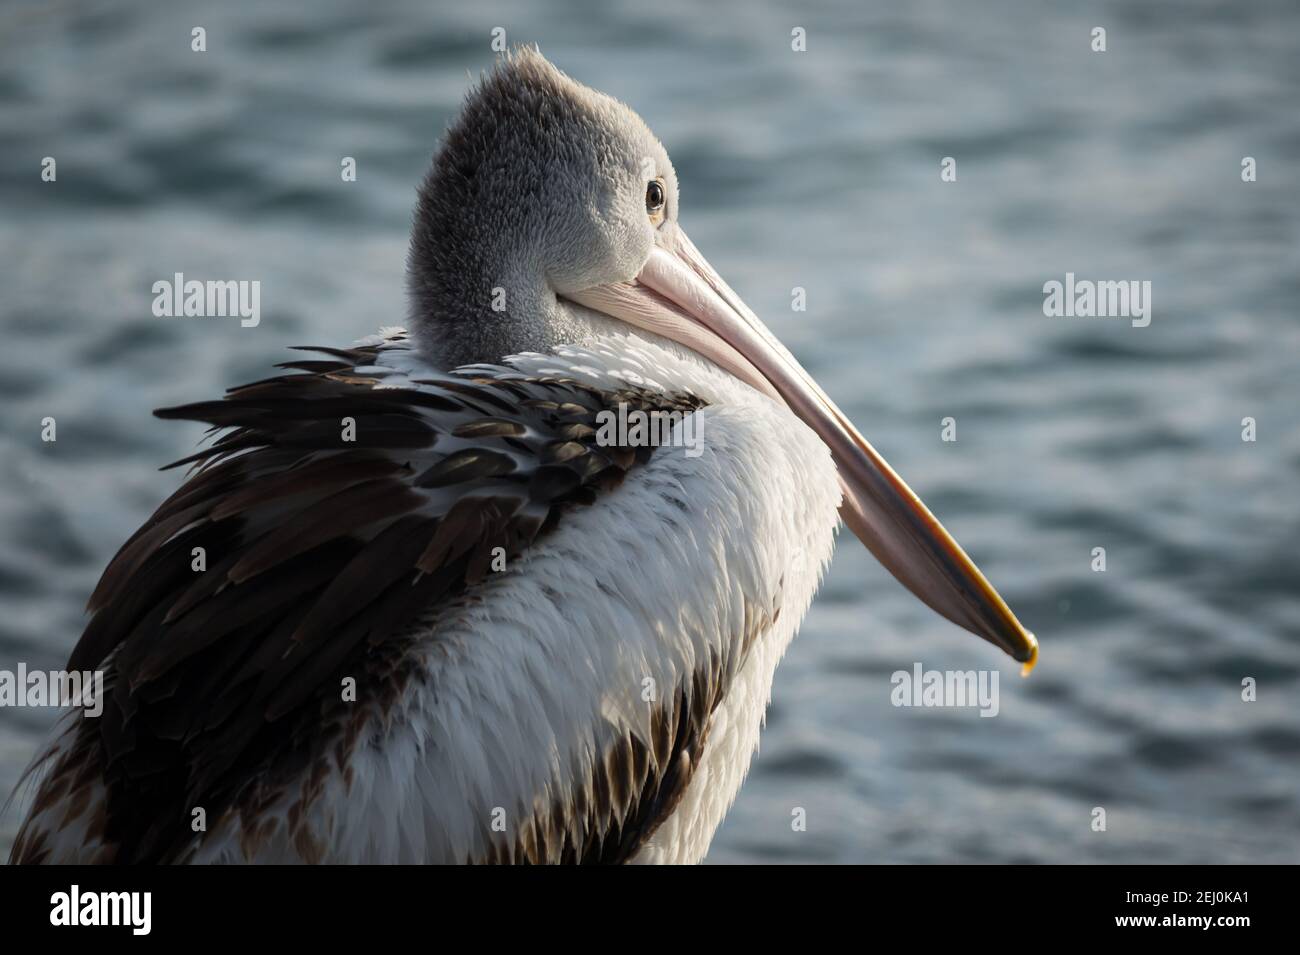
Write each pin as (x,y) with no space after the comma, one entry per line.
(678,295)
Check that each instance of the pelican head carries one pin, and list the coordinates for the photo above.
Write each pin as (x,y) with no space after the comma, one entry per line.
(543,188)
(550,215)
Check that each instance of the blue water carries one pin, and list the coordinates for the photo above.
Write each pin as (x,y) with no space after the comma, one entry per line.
(818,170)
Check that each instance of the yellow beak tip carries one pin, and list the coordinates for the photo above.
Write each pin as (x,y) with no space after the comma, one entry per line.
(1033,655)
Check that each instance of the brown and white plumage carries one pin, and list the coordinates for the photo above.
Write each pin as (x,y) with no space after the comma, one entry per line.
(321,552)
(324,559)
(476,631)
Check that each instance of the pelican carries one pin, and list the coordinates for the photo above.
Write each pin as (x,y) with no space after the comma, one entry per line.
(446,611)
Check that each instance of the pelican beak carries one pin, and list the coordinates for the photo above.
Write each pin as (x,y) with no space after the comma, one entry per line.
(678,295)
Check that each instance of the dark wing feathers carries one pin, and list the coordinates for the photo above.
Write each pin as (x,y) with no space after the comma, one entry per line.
(635,785)
(319,553)
(467,464)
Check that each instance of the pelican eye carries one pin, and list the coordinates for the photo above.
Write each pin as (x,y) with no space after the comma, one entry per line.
(654,198)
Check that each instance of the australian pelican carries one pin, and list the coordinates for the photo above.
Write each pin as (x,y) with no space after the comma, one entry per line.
(446,614)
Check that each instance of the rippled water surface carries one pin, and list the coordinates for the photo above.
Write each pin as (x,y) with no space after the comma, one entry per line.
(818,170)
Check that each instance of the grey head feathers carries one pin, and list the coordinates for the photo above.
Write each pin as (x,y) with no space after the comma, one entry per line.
(538,189)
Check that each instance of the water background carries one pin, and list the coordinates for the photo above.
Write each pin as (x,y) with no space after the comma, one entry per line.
(818,170)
